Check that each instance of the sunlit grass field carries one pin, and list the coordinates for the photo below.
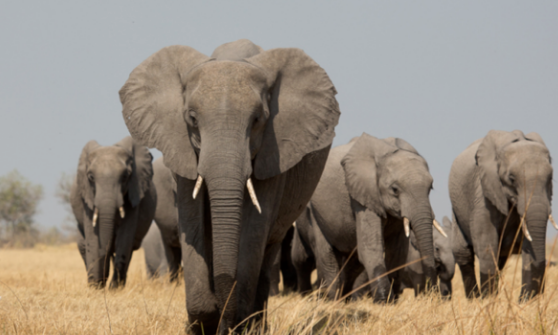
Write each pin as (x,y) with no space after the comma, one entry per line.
(43,291)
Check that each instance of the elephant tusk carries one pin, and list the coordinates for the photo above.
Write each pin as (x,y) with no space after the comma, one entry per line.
(406,226)
(526,231)
(122,213)
(553,222)
(197,187)
(439,228)
(95,215)
(253,195)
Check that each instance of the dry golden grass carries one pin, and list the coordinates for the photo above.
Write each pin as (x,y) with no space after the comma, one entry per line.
(44,291)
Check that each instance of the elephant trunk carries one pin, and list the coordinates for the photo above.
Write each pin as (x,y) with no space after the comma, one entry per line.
(226,170)
(421,223)
(104,231)
(534,252)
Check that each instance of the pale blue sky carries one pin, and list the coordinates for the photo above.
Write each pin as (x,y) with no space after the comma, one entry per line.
(438,74)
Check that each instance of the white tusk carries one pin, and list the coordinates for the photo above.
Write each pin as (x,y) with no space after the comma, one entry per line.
(122,213)
(526,231)
(439,228)
(197,187)
(406,226)
(253,195)
(553,222)
(95,215)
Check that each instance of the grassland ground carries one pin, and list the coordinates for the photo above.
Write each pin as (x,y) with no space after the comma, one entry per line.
(44,291)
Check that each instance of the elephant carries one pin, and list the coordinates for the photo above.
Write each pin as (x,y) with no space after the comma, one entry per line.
(371,194)
(113,200)
(154,252)
(412,275)
(499,185)
(166,220)
(243,119)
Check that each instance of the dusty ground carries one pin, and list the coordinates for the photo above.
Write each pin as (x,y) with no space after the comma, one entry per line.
(44,291)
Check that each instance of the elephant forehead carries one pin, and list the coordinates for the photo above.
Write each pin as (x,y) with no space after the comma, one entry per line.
(236,82)
(524,150)
(109,157)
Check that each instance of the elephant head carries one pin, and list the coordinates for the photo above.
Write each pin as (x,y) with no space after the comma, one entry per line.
(445,262)
(110,180)
(223,121)
(515,170)
(390,178)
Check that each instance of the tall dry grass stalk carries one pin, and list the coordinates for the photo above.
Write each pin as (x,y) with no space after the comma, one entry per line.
(44,291)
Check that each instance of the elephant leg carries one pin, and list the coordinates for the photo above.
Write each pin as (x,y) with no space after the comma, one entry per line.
(303,263)
(81,248)
(174,262)
(465,259)
(328,264)
(370,242)
(352,268)
(486,248)
(532,273)
(255,257)
(288,270)
(275,276)
(360,286)
(123,247)
(195,241)
(396,252)
(271,253)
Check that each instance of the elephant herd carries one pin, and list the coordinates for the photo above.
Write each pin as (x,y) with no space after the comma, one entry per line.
(248,185)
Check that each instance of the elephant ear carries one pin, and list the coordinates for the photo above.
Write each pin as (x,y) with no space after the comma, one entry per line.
(153,106)
(487,161)
(142,169)
(401,144)
(84,186)
(303,110)
(237,50)
(361,171)
(446,222)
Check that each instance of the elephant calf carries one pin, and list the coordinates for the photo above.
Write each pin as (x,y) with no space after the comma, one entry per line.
(501,187)
(162,250)
(113,200)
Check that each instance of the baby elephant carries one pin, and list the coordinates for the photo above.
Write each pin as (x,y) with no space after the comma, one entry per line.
(113,200)
(412,275)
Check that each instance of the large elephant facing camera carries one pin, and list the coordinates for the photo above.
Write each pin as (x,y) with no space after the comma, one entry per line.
(495,183)
(371,194)
(247,134)
(113,200)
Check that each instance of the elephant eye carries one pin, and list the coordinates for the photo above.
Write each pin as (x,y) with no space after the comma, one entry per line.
(511,177)
(394,190)
(191,117)
(91,177)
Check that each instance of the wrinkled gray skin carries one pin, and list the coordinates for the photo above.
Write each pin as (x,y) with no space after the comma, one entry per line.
(367,188)
(166,220)
(109,177)
(413,275)
(245,113)
(154,252)
(496,176)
